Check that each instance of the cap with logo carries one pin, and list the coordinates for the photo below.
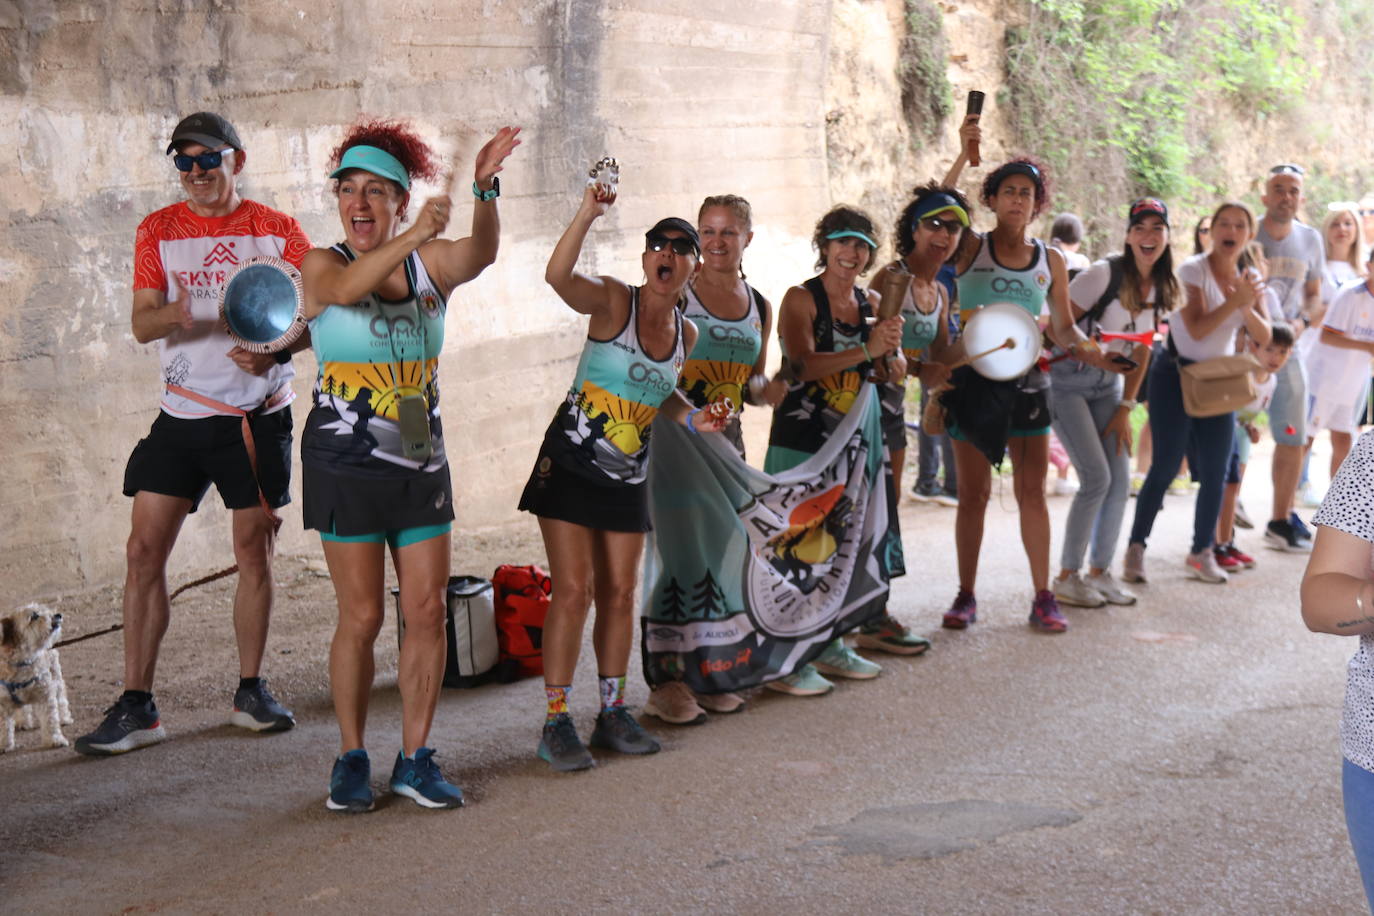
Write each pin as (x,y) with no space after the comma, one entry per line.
(1148,206)
(206,128)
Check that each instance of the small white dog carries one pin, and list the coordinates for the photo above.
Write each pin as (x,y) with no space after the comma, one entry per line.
(31,676)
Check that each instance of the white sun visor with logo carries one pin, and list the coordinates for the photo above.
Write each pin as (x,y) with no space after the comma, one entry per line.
(263,304)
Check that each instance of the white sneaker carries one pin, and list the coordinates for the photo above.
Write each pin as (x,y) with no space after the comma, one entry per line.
(1064,487)
(1109,589)
(1073,590)
(1203,565)
(1307,496)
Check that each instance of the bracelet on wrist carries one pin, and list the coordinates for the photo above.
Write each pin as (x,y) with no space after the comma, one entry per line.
(691,423)
(868,356)
(1128,403)
(494,193)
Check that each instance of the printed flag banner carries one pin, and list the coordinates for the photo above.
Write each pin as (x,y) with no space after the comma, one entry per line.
(751,574)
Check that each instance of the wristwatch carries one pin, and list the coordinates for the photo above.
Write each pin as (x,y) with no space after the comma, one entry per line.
(494,193)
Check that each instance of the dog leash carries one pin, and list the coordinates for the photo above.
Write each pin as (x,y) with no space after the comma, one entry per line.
(251,448)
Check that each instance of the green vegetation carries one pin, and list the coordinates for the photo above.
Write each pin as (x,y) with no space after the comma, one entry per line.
(1127,97)
(926,93)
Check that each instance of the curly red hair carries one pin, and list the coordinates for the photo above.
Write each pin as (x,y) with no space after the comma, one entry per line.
(396,137)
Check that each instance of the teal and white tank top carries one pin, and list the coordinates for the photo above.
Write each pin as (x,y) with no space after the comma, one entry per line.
(614,398)
(986,281)
(371,353)
(720,364)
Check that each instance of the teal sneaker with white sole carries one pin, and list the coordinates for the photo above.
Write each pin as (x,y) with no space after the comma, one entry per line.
(842,661)
(807,682)
(418,779)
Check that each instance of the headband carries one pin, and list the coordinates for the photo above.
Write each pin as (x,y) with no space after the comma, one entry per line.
(853,234)
(1019,168)
(378,162)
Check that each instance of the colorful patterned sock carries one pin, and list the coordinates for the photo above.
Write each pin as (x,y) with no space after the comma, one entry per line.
(612,691)
(558,701)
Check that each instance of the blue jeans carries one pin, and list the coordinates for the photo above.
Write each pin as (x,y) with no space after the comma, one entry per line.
(1082,401)
(1173,429)
(931,450)
(1357,790)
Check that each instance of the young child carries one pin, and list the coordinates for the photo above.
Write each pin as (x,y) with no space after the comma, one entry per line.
(1271,356)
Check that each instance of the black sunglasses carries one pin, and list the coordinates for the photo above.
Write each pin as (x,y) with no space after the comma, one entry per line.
(1288,168)
(935,224)
(679,245)
(208,162)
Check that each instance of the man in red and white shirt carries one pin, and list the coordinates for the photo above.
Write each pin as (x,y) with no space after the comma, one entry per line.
(182,256)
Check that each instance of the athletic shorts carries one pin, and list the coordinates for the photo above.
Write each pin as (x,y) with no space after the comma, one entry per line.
(182,458)
(1288,406)
(1030,417)
(892,399)
(355,505)
(395,537)
(557,492)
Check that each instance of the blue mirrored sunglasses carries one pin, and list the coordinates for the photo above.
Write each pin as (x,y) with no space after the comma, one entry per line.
(207,161)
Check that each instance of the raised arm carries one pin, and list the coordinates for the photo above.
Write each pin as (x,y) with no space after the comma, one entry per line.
(453,262)
(585,294)
(333,280)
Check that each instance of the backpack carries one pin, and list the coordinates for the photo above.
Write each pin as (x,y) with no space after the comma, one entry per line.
(522,600)
(470,628)
(1093,315)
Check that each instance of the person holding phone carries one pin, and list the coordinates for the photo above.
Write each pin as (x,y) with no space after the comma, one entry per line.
(374,478)
(1090,408)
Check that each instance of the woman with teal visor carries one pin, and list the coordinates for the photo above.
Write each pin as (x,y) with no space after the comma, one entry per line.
(374,470)
(831,351)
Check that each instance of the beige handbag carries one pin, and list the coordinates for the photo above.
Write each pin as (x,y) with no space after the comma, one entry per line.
(1219,385)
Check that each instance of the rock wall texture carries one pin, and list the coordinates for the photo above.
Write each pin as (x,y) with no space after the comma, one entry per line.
(793,103)
(712,98)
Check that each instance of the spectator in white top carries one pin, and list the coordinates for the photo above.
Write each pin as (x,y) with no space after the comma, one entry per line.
(182,257)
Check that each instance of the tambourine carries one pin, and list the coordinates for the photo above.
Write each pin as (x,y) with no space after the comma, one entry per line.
(1002,340)
(262,304)
(606,173)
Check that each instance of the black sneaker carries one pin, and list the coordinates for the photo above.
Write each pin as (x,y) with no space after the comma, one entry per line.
(617,730)
(128,726)
(1280,535)
(259,711)
(561,747)
(350,783)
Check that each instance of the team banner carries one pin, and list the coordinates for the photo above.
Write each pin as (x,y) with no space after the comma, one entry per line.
(751,574)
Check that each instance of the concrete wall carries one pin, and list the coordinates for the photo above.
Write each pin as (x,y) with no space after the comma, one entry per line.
(709,98)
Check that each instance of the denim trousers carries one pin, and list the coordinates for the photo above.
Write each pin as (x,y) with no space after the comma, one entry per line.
(1357,791)
(1082,401)
(1173,430)
(931,451)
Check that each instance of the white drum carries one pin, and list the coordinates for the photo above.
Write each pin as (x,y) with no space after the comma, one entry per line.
(986,335)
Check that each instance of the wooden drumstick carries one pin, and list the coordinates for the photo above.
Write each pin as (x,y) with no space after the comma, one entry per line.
(1008,344)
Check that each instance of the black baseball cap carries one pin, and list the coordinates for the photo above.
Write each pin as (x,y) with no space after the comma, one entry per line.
(206,128)
(681,225)
(1148,206)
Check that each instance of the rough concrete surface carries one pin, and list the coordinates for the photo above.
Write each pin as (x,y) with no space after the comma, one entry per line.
(1179,756)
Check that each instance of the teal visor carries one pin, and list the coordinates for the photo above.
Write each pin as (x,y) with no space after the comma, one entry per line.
(378,162)
(853,234)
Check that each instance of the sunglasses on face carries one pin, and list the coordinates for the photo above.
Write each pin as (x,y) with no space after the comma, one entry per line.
(938,223)
(208,162)
(679,246)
